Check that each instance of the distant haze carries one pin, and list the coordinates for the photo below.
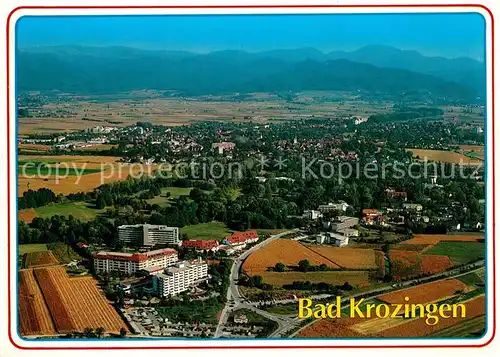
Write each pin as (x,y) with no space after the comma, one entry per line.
(374,69)
(435,34)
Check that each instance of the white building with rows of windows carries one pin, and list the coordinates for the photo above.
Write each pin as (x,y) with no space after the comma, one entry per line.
(129,263)
(181,277)
(148,234)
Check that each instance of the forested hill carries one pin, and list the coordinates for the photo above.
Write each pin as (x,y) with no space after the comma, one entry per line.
(106,70)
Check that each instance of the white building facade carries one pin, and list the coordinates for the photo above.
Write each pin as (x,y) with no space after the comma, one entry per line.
(129,263)
(148,234)
(179,278)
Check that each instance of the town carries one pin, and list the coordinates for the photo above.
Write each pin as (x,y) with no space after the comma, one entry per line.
(194,190)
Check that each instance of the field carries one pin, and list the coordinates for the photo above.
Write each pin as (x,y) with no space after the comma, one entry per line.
(425,293)
(473,279)
(175,192)
(473,151)
(80,210)
(418,327)
(406,264)
(27,215)
(125,109)
(108,170)
(410,247)
(463,329)
(39,259)
(288,252)
(432,239)
(354,278)
(374,327)
(348,258)
(33,147)
(34,315)
(459,252)
(28,248)
(204,231)
(331,328)
(444,156)
(73,303)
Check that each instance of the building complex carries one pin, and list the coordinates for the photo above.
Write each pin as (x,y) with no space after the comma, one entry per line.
(181,277)
(130,263)
(148,234)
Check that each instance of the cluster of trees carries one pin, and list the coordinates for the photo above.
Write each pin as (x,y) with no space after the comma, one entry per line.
(38,198)
(67,229)
(305,266)
(220,274)
(256,281)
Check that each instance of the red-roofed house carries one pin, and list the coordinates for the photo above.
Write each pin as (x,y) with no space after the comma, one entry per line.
(201,245)
(242,238)
(129,263)
(372,216)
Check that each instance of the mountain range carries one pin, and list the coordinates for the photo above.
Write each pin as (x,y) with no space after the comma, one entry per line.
(375,69)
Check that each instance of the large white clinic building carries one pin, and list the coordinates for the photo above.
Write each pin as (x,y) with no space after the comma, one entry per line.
(148,234)
(180,277)
(129,263)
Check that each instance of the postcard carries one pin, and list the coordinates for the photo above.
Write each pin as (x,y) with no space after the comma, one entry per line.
(200,177)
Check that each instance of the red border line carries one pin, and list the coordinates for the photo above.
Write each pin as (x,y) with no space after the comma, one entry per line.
(402,6)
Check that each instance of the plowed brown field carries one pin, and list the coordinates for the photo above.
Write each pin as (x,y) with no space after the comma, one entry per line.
(34,316)
(348,258)
(288,252)
(436,238)
(71,303)
(425,293)
(39,259)
(418,327)
(406,264)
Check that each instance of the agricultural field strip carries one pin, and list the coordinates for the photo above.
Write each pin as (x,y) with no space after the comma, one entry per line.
(39,259)
(314,322)
(54,300)
(35,316)
(433,239)
(418,327)
(341,251)
(376,325)
(472,325)
(419,294)
(86,305)
(79,299)
(288,252)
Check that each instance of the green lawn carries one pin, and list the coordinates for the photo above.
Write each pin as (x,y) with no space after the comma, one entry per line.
(271,231)
(79,210)
(205,231)
(175,192)
(471,279)
(285,309)
(459,252)
(29,248)
(192,311)
(53,171)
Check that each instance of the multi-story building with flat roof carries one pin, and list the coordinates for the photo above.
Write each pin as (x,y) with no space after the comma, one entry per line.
(148,234)
(129,263)
(339,206)
(174,280)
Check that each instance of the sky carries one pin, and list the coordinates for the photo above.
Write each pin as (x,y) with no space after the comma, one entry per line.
(447,35)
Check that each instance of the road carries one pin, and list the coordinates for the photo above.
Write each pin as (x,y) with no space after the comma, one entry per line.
(280,332)
(234,297)
(287,323)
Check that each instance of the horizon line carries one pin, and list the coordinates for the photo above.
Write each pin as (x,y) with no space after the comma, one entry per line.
(205,52)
